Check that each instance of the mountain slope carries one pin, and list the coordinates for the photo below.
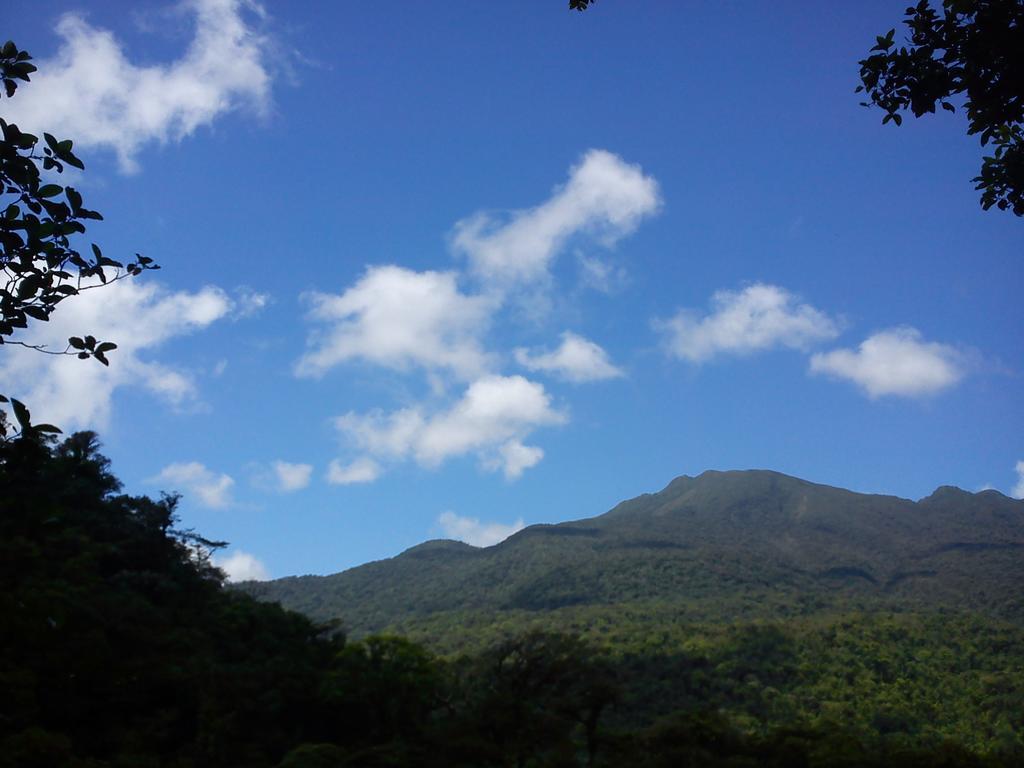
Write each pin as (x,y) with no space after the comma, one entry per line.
(720,546)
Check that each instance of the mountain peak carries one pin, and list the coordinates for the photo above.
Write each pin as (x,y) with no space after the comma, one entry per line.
(946,492)
(439,547)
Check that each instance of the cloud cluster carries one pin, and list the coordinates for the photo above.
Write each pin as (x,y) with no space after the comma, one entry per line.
(241,566)
(207,487)
(399,318)
(577,360)
(137,315)
(757,318)
(92,93)
(892,362)
(474,532)
(604,196)
(896,361)
(491,419)
(405,320)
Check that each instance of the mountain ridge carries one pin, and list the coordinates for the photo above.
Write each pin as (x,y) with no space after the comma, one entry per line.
(720,545)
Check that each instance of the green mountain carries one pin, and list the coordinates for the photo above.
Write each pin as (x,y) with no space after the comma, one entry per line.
(719,547)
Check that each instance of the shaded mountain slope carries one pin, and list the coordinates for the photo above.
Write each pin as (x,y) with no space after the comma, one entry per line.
(720,546)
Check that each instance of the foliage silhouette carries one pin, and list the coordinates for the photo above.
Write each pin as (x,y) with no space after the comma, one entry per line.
(973,49)
(39,263)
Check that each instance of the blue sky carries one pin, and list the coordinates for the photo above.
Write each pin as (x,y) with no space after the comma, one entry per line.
(449,269)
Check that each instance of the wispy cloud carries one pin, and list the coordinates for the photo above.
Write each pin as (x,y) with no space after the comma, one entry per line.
(600,274)
(490,420)
(362,470)
(138,316)
(472,531)
(577,360)
(90,91)
(241,566)
(399,319)
(249,303)
(896,361)
(1018,490)
(604,196)
(195,480)
(759,317)
(291,477)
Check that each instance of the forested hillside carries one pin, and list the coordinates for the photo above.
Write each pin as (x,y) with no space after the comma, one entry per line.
(766,599)
(121,647)
(723,546)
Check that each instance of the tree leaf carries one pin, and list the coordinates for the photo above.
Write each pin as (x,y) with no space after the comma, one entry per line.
(21,414)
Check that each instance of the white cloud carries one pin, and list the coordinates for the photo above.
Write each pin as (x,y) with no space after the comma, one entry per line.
(137,315)
(241,566)
(472,531)
(513,458)
(291,477)
(895,361)
(759,317)
(90,91)
(192,478)
(399,318)
(577,360)
(362,470)
(1018,490)
(604,196)
(491,419)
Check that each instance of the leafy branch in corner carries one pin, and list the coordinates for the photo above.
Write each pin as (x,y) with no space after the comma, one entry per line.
(973,49)
(39,265)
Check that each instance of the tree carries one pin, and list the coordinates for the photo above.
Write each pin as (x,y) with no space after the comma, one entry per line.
(120,646)
(39,265)
(540,697)
(383,690)
(973,50)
